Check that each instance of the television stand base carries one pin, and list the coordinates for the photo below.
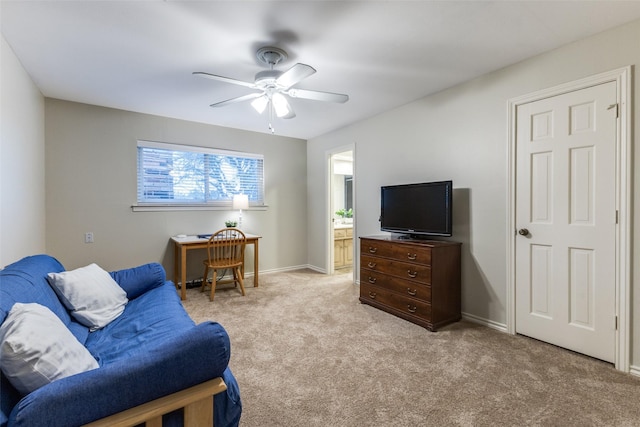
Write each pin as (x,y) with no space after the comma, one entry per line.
(421,237)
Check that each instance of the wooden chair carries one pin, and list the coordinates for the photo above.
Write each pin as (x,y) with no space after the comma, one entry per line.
(225,250)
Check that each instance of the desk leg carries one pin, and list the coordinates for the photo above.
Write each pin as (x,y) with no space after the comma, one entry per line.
(255,264)
(176,264)
(183,272)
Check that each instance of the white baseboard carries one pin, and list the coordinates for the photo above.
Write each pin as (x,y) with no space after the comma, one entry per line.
(485,322)
(314,268)
(292,268)
(634,370)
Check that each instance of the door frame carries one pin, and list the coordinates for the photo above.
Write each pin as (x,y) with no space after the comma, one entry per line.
(622,77)
(330,269)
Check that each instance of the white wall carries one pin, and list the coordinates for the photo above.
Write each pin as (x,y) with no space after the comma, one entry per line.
(461,134)
(91,186)
(22,174)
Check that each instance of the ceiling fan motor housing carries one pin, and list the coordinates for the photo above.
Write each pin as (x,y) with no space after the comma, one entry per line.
(267,78)
(271,55)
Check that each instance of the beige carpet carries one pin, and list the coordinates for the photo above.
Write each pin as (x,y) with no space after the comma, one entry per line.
(305,352)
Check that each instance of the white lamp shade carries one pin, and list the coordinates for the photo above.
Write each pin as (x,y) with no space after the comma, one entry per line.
(280,104)
(240,201)
(260,103)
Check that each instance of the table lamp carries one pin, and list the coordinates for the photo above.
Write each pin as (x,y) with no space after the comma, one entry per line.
(240,201)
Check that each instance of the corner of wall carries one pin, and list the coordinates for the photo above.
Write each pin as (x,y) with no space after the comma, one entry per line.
(22,180)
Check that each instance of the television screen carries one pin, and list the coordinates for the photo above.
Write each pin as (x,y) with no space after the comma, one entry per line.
(417,209)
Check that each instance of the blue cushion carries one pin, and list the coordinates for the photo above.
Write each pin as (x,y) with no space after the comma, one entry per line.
(26,281)
(137,280)
(10,397)
(153,317)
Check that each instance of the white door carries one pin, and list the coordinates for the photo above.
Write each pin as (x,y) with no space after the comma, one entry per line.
(566,219)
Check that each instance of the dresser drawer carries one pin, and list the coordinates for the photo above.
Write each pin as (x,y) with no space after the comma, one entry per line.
(403,270)
(400,286)
(408,253)
(404,305)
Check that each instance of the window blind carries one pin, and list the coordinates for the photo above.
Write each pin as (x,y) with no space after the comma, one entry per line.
(172,174)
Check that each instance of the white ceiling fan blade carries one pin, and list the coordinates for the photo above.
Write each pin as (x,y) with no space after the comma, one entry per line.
(224,79)
(236,100)
(295,74)
(317,95)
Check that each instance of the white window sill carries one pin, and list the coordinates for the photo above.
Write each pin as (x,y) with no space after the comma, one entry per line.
(168,208)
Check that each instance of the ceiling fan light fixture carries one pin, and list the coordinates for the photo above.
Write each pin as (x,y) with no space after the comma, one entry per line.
(275,86)
(260,104)
(280,104)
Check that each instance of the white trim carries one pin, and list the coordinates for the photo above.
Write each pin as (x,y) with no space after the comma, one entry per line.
(285,269)
(634,370)
(484,322)
(330,225)
(196,149)
(318,269)
(622,77)
(624,238)
(195,207)
(329,254)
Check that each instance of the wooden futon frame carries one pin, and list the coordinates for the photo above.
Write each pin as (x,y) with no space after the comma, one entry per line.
(197,402)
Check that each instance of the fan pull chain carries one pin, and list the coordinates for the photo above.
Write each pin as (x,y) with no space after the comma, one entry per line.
(273,131)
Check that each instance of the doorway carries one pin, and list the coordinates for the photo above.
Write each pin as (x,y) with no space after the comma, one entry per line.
(569,217)
(341,212)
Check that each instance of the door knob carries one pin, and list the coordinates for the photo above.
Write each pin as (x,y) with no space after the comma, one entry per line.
(523,232)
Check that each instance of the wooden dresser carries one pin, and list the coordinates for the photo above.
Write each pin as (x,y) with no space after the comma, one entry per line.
(417,280)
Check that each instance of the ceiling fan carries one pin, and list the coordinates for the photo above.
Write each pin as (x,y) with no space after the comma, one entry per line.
(273,85)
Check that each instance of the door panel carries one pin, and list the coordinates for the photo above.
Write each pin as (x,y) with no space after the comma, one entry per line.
(541,280)
(565,199)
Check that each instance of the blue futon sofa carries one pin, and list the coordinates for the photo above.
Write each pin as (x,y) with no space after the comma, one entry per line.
(153,349)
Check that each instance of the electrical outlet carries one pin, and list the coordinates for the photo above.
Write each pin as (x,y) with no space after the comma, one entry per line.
(88,237)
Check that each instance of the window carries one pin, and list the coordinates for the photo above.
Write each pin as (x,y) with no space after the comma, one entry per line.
(179,175)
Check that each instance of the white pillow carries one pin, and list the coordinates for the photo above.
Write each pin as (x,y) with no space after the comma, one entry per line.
(37,348)
(93,297)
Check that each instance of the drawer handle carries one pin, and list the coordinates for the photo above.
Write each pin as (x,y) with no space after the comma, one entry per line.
(372,295)
(412,292)
(412,257)
(371,264)
(412,309)
(372,280)
(373,250)
(412,274)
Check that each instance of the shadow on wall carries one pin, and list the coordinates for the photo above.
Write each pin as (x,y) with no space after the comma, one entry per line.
(168,259)
(477,293)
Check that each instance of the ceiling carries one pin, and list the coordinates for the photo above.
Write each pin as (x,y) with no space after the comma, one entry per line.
(140,55)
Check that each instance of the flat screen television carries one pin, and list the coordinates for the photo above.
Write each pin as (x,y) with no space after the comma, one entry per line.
(417,210)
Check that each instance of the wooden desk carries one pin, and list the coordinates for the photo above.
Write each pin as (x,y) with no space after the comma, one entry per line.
(183,244)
